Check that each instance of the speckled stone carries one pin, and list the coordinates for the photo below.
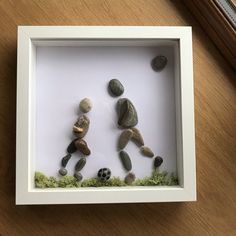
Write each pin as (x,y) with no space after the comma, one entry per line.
(81,126)
(82,146)
(146,151)
(130,178)
(125,160)
(104,174)
(158,161)
(115,87)
(124,138)
(85,105)
(137,137)
(159,63)
(63,171)
(80,164)
(127,115)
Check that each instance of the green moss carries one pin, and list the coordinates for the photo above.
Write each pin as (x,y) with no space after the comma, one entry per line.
(94,182)
(157,178)
(68,182)
(42,181)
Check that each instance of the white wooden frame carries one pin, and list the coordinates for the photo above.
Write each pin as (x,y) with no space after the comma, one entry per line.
(29,37)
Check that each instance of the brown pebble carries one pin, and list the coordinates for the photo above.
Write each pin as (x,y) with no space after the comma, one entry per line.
(137,137)
(130,178)
(82,146)
(146,151)
(81,126)
(124,138)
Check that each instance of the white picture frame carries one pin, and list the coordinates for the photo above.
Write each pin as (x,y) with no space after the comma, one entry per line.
(31,36)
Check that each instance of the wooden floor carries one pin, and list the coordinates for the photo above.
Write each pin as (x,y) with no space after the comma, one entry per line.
(215,112)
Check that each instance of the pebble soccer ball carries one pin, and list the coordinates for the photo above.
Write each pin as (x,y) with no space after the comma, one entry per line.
(104,174)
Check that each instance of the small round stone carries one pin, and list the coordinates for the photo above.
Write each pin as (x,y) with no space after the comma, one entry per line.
(63,171)
(85,105)
(104,174)
(157,161)
(78,176)
(130,178)
(159,63)
(115,87)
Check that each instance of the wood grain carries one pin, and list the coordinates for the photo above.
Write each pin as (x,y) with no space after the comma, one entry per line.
(215,112)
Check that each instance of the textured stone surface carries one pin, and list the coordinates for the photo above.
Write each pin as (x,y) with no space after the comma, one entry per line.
(63,171)
(80,164)
(146,151)
(124,138)
(104,174)
(115,87)
(85,105)
(137,137)
(81,126)
(159,63)
(65,160)
(78,176)
(127,115)
(125,160)
(130,178)
(82,146)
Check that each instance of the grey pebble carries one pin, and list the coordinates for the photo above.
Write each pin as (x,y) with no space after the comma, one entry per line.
(146,151)
(78,176)
(124,138)
(125,159)
(63,171)
(159,63)
(115,87)
(80,164)
(65,160)
(127,114)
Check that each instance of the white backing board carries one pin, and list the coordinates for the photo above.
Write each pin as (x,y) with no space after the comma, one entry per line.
(65,75)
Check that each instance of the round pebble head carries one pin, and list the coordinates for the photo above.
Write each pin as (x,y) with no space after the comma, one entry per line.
(85,105)
(115,88)
(104,174)
(159,63)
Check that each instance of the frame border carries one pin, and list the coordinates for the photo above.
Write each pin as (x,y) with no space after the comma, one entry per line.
(25,195)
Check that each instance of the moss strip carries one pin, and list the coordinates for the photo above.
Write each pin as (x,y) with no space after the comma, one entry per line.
(156,179)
